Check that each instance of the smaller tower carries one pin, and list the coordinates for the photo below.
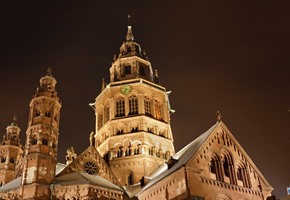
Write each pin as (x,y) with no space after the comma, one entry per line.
(41,141)
(10,153)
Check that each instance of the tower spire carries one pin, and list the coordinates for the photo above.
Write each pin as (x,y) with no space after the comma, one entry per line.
(49,70)
(14,120)
(129,36)
(129,20)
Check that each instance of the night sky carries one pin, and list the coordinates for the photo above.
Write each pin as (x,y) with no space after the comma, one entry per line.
(231,56)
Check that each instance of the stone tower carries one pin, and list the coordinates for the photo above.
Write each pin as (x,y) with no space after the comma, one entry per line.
(10,153)
(41,141)
(133,131)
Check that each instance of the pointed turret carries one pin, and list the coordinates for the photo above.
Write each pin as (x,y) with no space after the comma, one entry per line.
(41,140)
(12,136)
(10,153)
(132,62)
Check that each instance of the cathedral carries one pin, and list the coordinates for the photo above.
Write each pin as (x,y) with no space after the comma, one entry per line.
(131,153)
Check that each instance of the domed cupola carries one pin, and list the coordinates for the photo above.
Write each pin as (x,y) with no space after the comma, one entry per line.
(131,63)
(47,85)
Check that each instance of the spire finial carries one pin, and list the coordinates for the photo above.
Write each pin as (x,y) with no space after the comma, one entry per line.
(49,69)
(14,118)
(129,35)
(156,78)
(14,121)
(129,20)
(218,116)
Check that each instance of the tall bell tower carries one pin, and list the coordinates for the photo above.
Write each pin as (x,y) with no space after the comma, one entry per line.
(133,131)
(10,153)
(41,140)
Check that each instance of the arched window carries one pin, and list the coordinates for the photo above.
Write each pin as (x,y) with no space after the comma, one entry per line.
(133,105)
(3,159)
(33,141)
(243,176)
(44,141)
(36,113)
(215,168)
(147,105)
(131,178)
(157,109)
(228,168)
(128,69)
(120,107)
(47,114)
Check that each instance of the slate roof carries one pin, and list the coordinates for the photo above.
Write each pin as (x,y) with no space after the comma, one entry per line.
(77,178)
(181,157)
(11,185)
(14,184)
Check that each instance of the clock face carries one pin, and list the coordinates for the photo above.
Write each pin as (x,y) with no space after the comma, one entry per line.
(126,89)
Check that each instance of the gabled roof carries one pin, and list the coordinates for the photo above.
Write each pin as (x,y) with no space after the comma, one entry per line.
(181,158)
(12,185)
(16,183)
(59,167)
(77,178)
(90,154)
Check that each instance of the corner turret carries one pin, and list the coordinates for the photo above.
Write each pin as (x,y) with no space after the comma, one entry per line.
(10,153)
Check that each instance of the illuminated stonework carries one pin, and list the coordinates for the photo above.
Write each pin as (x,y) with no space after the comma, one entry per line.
(131,154)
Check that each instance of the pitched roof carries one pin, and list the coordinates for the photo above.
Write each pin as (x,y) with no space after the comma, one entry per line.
(14,184)
(11,185)
(59,167)
(181,157)
(78,178)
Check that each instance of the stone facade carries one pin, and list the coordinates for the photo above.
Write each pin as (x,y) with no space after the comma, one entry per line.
(131,154)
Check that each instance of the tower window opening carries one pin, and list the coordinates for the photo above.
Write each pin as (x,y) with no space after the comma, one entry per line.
(3,159)
(36,113)
(134,129)
(11,160)
(128,69)
(44,141)
(157,109)
(33,141)
(120,107)
(147,105)
(47,114)
(133,105)
(120,132)
(142,70)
